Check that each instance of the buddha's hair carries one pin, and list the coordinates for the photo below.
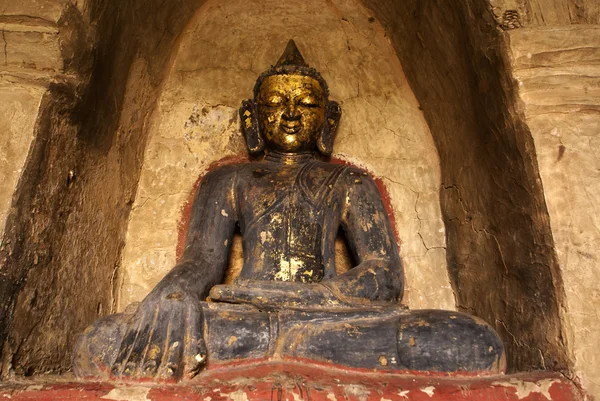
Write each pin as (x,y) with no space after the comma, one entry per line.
(292,70)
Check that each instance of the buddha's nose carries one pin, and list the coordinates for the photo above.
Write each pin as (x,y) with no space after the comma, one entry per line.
(291,113)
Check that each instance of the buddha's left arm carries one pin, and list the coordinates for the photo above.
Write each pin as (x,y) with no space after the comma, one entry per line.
(379,274)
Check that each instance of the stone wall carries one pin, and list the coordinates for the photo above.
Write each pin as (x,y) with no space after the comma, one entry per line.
(32,59)
(44,57)
(29,51)
(555,49)
(196,123)
(558,70)
(65,225)
(512,14)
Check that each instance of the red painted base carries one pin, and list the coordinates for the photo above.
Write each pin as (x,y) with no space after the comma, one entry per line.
(292,381)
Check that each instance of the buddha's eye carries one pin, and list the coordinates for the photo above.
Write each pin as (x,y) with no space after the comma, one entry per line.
(309,102)
(274,101)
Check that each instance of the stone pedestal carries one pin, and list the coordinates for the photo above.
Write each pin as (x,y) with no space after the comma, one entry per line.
(296,381)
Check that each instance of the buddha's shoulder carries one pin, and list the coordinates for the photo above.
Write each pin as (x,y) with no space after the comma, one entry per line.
(341,171)
(226,171)
(251,168)
(344,170)
(353,177)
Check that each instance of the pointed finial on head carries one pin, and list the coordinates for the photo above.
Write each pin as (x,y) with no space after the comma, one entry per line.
(291,56)
(291,62)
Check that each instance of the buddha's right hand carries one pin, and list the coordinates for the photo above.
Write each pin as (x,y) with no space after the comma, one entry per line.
(163,340)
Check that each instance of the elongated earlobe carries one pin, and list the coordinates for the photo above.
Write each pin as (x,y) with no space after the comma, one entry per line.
(250,129)
(332,119)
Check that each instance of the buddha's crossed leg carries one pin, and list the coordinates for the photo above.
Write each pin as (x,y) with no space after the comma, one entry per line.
(376,338)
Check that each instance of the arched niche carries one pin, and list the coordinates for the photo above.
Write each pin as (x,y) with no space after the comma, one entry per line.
(220,55)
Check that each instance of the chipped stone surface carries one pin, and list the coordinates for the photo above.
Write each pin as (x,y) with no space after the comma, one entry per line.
(31,37)
(30,58)
(559,81)
(128,394)
(545,12)
(524,389)
(43,11)
(29,40)
(196,123)
(18,113)
(295,382)
(49,10)
(37,50)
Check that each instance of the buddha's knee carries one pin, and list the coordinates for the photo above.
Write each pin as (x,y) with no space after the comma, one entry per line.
(97,347)
(448,342)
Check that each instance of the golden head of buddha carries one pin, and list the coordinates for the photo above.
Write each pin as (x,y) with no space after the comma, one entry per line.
(291,111)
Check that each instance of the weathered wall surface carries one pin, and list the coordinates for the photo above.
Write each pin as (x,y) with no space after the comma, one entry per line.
(524,13)
(219,58)
(31,59)
(499,243)
(35,63)
(558,70)
(19,107)
(65,227)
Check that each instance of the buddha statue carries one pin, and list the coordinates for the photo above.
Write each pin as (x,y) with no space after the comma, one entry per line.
(288,301)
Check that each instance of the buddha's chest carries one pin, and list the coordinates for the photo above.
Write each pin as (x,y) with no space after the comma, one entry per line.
(287,221)
(301,194)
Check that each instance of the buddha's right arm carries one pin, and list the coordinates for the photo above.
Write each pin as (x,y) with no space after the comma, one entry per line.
(163,337)
(209,236)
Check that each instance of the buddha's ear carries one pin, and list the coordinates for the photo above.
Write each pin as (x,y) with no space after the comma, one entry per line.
(249,122)
(332,119)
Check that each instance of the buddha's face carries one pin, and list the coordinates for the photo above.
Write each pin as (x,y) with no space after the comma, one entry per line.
(291,112)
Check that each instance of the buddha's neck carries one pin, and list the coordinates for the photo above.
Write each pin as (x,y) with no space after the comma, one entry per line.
(289,158)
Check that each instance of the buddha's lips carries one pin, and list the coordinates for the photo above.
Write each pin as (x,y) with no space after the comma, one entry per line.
(291,129)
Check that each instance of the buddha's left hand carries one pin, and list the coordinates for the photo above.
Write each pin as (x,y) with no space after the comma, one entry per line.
(277,295)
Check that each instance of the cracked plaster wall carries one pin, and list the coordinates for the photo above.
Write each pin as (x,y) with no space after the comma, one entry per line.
(500,248)
(220,55)
(558,70)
